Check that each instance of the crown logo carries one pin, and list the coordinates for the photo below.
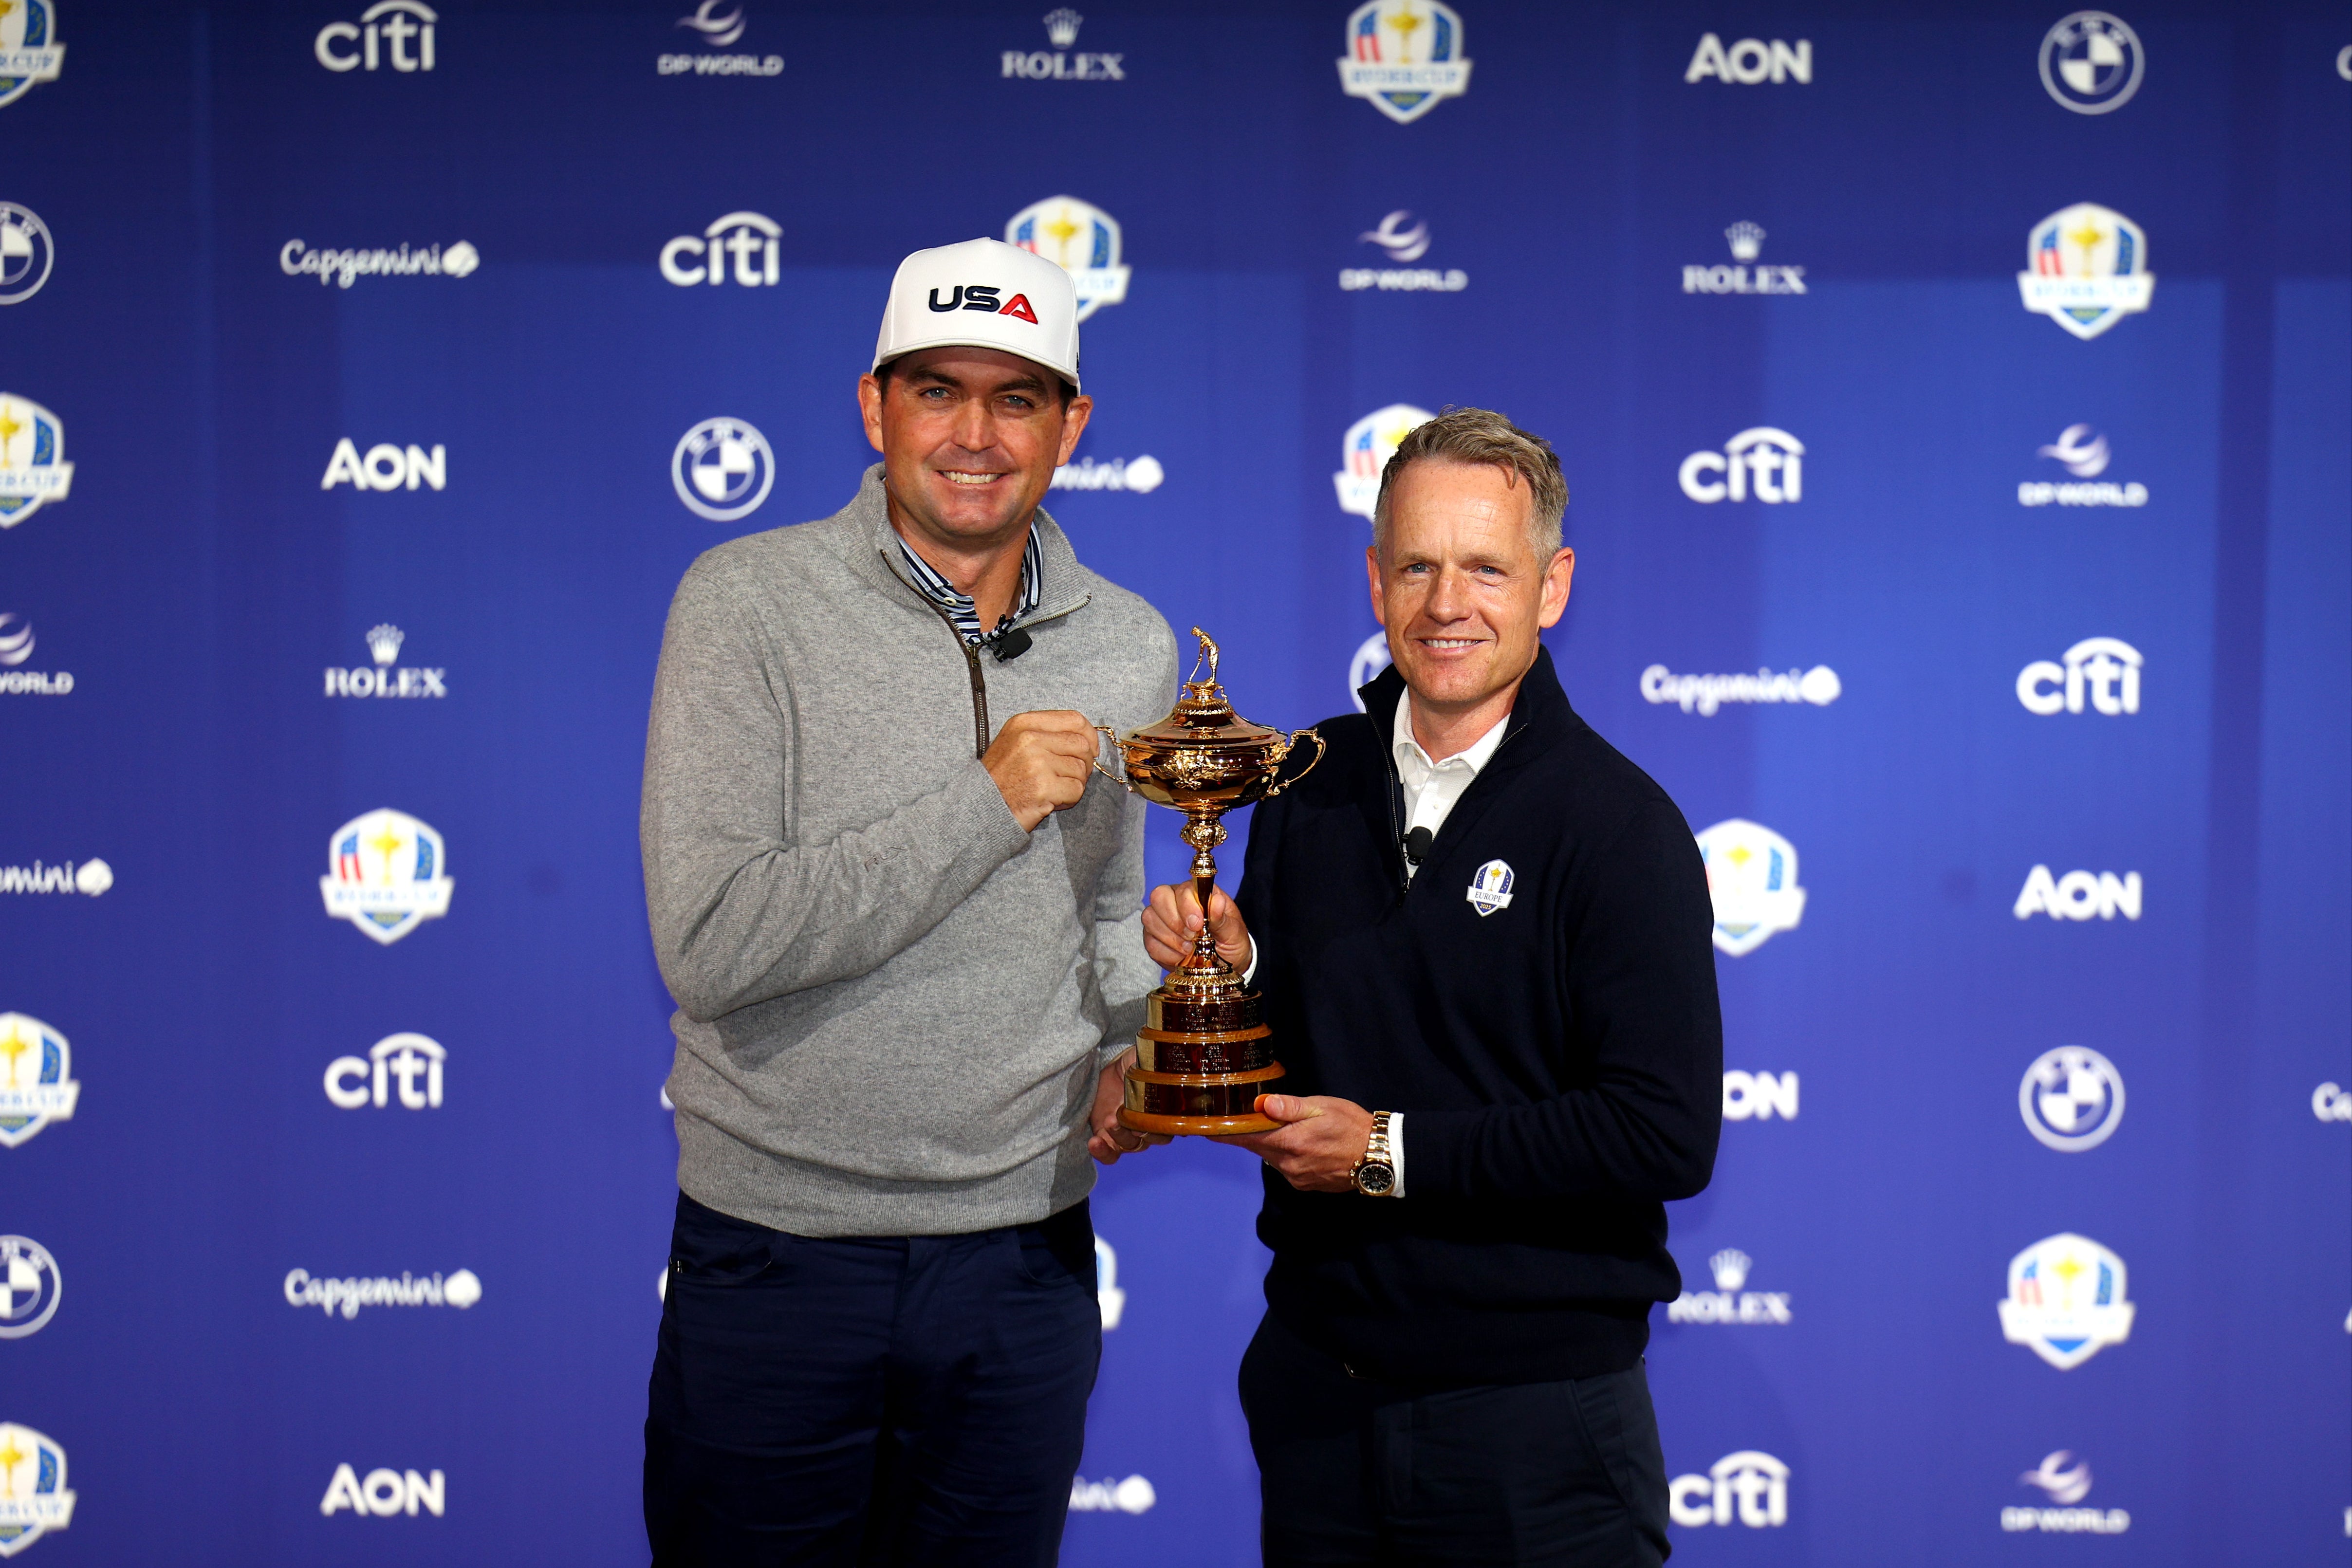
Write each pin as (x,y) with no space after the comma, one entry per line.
(1730,1267)
(1747,240)
(383,642)
(1062,27)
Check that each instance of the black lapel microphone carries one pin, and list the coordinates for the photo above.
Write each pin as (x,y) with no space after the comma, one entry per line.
(1012,645)
(1416,844)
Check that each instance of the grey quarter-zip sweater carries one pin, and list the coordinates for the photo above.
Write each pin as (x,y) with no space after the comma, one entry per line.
(892,1003)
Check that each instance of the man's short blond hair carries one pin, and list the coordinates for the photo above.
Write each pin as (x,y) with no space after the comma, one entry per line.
(1482,435)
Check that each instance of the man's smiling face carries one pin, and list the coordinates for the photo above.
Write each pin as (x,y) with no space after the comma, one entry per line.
(1460,591)
(970,439)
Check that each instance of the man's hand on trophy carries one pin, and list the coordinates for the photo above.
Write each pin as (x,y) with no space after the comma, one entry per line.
(1316,1147)
(1171,920)
(1109,1139)
(1040,762)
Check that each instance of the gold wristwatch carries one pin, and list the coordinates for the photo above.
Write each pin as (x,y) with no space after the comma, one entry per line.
(1375,1174)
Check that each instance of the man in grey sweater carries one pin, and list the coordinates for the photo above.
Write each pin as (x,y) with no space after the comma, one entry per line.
(906,949)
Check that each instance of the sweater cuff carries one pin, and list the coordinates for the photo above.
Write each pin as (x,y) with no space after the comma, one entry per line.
(1396,1151)
(977,813)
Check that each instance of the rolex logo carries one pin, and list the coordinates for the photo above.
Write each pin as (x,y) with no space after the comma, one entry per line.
(1062,27)
(383,642)
(386,677)
(1730,1267)
(1747,241)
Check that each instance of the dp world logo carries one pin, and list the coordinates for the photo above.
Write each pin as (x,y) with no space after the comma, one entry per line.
(386,874)
(2072,1099)
(39,1087)
(1369,442)
(1751,875)
(33,467)
(29,53)
(32,1494)
(1403,56)
(2066,1300)
(2092,62)
(722,470)
(2089,269)
(1082,240)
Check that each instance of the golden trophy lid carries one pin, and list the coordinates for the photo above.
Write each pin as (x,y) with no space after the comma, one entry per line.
(1202,719)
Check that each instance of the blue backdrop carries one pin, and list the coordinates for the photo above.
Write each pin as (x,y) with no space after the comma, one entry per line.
(2035,1215)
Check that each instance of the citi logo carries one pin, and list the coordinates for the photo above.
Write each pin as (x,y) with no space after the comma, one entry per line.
(1759,1096)
(2079,895)
(408,1065)
(385,1493)
(752,238)
(381,35)
(983,297)
(381,680)
(1750,1485)
(1750,61)
(1768,461)
(386,466)
(2101,670)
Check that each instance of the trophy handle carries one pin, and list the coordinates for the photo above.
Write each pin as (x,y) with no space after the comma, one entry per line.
(1320,749)
(1119,779)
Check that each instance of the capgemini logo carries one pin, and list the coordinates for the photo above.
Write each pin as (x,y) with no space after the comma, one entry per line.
(1133,1495)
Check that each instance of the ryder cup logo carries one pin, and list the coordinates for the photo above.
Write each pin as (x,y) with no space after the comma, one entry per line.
(1751,875)
(2066,1300)
(2089,269)
(386,874)
(33,467)
(39,1087)
(29,1286)
(1371,442)
(2092,62)
(32,1494)
(722,470)
(2072,1099)
(29,53)
(1079,238)
(25,253)
(1403,56)
(1491,888)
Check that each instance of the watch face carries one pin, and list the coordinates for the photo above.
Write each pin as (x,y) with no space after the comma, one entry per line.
(1374,1181)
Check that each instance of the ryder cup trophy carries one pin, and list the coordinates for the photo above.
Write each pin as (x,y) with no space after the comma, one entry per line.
(1204,1055)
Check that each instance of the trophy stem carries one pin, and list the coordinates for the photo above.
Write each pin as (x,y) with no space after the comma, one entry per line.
(1204,832)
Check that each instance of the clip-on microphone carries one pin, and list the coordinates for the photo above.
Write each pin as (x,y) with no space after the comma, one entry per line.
(1012,645)
(1416,844)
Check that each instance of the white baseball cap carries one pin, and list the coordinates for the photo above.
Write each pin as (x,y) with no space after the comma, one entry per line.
(983,294)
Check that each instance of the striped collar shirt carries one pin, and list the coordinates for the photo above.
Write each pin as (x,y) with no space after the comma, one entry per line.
(959,606)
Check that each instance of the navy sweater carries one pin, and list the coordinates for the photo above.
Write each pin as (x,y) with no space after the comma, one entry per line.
(1559,1061)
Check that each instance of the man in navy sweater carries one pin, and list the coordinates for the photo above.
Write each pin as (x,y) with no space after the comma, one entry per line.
(1483,939)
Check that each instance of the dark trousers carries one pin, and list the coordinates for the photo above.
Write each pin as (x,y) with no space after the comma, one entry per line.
(1566,1475)
(870,1400)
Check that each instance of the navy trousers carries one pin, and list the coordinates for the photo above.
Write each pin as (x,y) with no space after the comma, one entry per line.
(1565,1475)
(869,1400)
